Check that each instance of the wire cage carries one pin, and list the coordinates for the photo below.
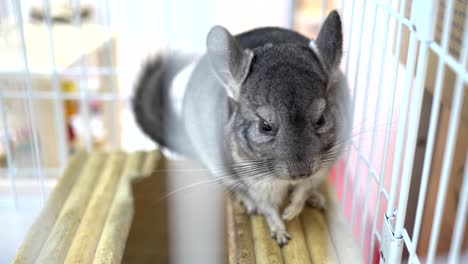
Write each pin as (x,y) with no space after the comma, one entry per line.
(67,71)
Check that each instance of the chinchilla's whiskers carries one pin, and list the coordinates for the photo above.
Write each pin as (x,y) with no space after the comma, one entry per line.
(240,170)
(244,162)
(195,184)
(235,167)
(256,169)
(253,172)
(216,180)
(271,172)
(272,175)
(237,164)
(243,186)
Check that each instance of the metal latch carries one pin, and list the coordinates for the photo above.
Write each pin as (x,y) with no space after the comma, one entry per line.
(391,248)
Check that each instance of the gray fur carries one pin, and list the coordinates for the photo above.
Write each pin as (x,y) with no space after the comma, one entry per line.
(268,75)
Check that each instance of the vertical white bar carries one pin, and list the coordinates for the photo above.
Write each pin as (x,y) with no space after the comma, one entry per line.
(135,8)
(398,153)
(59,115)
(291,7)
(460,219)
(350,36)
(412,136)
(356,192)
(359,47)
(376,117)
(389,119)
(110,48)
(9,156)
(435,108)
(168,24)
(84,101)
(339,163)
(422,15)
(324,9)
(30,106)
(455,112)
(423,25)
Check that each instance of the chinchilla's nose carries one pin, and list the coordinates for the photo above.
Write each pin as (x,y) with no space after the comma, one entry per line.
(299,169)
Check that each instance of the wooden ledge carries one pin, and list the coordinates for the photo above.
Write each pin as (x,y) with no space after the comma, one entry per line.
(88,215)
(317,237)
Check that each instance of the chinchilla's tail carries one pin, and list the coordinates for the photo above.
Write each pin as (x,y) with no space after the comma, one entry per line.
(152,106)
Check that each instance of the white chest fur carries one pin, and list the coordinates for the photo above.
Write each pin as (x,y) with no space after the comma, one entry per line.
(275,192)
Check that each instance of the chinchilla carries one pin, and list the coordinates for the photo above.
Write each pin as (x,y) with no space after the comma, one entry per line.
(266,111)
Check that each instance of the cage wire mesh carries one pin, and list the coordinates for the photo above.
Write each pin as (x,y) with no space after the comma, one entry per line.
(68,70)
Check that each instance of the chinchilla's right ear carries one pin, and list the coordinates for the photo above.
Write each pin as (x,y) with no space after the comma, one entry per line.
(329,41)
(229,61)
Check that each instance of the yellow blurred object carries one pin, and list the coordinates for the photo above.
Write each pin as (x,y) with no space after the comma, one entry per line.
(71,106)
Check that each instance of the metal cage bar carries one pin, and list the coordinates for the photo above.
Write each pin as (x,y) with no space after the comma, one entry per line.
(115,141)
(422,24)
(457,103)
(435,108)
(58,109)
(29,99)
(364,111)
(41,95)
(361,29)
(374,126)
(9,156)
(84,108)
(410,63)
(460,220)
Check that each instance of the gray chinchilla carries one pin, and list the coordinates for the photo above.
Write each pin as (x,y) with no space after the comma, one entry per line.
(266,111)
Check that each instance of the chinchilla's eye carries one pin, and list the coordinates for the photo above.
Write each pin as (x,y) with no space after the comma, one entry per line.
(264,126)
(321,121)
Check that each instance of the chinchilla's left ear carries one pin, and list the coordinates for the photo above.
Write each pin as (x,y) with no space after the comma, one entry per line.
(329,42)
(230,62)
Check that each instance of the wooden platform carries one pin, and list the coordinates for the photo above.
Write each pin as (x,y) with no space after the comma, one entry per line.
(317,237)
(105,209)
(88,216)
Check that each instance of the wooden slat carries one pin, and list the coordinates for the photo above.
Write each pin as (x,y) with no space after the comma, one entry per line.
(266,249)
(245,248)
(114,236)
(318,240)
(231,232)
(339,229)
(296,250)
(151,162)
(61,235)
(149,234)
(39,231)
(317,237)
(87,236)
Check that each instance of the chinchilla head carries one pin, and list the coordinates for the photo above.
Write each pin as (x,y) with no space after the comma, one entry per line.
(279,106)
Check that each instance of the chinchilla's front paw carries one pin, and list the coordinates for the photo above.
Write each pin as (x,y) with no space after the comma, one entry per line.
(275,224)
(281,236)
(316,200)
(293,210)
(249,205)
